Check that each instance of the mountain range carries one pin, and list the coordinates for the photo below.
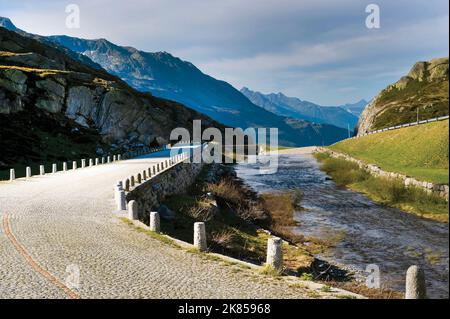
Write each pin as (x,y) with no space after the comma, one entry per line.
(172,78)
(345,116)
(54,108)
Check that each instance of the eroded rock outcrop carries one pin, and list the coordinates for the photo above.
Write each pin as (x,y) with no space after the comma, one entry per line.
(423,94)
(33,75)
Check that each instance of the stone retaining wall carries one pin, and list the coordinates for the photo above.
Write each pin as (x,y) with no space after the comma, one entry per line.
(173,181)
(438,189)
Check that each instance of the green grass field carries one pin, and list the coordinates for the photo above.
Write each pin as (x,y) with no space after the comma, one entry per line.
(389,192)
(418,151)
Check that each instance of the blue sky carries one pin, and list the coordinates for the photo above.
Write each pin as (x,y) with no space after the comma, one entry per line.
(315,50)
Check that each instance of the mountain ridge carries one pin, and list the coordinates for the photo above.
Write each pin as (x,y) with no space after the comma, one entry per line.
(419,95)
(283,105)
(171,78)
(52,105)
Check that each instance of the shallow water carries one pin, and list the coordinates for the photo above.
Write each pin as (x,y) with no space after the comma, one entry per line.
(369,233)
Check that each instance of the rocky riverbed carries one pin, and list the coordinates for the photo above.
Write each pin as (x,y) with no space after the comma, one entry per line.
(366,233)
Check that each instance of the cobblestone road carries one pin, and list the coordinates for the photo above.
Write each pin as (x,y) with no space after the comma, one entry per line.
(53,225)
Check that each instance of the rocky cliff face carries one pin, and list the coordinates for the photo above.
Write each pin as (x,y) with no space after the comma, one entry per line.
(424,91)
(39,79)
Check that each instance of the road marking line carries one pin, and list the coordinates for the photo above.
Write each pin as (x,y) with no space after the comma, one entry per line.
(38,268)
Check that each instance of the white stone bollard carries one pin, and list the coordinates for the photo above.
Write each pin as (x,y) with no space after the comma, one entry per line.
(83,163)
(74,165)
(121,200)
(91,162)
(200,236)
(103,160)
(12,174)
(155,222)
(132,210)
(97,161)
(108,159)
(65,166)
(41,170)
(114,158)
(28,172)
(415,283)
(275,253)
(119,157)
(54,168)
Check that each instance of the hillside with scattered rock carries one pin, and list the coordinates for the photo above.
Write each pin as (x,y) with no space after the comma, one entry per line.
(170,77)
(54,106)
(422,94)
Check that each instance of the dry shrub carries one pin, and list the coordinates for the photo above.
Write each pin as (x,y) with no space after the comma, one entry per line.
(223,238)
(202,211)
(281,207)
(239,199)
(371,293)
(227,190)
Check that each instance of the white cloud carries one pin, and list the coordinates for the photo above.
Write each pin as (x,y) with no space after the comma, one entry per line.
(300,47)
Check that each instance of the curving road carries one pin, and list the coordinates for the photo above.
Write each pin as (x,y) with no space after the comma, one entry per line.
(56,224)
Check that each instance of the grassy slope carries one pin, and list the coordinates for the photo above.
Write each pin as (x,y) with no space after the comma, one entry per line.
(431,98)
(419,151)
(389,192)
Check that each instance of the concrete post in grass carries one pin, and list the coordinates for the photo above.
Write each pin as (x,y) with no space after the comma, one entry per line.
(12,174)
(275,253)
(132,210)
(41,170)
(415,283)
(54,168)
(154,222)
(74,165)
(28,172)
(200,236)
(65,167)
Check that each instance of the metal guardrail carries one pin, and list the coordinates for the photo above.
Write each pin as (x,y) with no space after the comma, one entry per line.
(435,119)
